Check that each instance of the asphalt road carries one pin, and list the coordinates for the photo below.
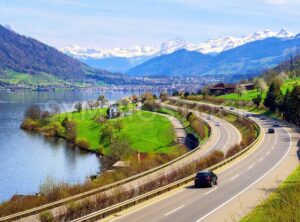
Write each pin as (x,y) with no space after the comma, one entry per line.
(190,204)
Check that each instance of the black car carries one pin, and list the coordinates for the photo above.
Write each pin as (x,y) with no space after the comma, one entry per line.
(206,178)
(271,130)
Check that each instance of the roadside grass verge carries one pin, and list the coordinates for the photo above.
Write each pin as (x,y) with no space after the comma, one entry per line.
(282,205)
(186,124)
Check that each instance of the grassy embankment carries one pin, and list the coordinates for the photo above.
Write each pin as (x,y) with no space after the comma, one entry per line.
(245,100)
(186,124)
(247,130)
(144,131)
(282,205)
(249,95)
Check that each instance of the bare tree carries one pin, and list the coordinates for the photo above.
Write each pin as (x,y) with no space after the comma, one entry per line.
(78,107)
(102,100)
(33,112)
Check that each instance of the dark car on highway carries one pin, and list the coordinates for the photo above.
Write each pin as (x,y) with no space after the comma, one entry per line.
(271,130)
(206,178)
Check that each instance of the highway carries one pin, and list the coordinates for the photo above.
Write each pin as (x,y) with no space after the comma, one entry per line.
(208,204)
(222,138)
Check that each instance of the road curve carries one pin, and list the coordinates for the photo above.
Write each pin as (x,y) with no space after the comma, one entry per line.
(208,204)
(222,138)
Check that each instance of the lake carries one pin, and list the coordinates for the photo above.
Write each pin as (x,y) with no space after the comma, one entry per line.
(27,160)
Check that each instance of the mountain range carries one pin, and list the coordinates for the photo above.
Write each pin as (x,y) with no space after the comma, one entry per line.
(123,59)
(24,55)
(248,59)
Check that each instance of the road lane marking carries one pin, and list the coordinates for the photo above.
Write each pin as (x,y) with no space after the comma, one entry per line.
(211,191)
(232,178)
(268,153)
(147,205)
(261,159)
(178,208)
(223,204)
(250,167)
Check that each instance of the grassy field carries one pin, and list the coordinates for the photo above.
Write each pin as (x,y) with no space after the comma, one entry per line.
(42,79)
(145,131)
(282,205)
(249,95)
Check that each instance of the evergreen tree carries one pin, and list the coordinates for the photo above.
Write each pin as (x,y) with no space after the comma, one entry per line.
(274,97)
(292,106)
(257,100)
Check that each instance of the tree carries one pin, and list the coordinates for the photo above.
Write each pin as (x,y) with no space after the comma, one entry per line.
(149,102)
(240,90)
(120,150)
(257,100)
(274,97)
(291,106)
(118,125)
(78,107)
(186,94)
(260,85)
(71,131)
(205,92)
(175,93)
(125,102)
(33,112)
(102,100)
(91,104)
(163,96)
(107,134)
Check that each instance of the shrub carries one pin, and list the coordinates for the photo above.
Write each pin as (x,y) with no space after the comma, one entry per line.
(46,216)
(54,129)
(82,143)
(30,124)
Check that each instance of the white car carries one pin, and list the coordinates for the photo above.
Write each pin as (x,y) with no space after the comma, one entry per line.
(217,124)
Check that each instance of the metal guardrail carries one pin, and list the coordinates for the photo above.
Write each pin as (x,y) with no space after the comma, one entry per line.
(120,206)
(96,191)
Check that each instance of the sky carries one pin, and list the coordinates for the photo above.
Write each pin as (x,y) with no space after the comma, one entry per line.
(122,23)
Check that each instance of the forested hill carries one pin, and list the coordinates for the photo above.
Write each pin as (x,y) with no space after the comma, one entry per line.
(28,55)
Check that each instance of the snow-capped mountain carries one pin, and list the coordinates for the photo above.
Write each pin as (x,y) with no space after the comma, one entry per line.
(215,45)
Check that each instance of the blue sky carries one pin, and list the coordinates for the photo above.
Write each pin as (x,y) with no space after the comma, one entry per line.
(120,23)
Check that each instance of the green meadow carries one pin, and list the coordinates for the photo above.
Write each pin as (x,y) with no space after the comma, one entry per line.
(145,131)
(249,95)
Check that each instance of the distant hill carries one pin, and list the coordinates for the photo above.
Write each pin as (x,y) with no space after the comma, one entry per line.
(23,54)
(249,58)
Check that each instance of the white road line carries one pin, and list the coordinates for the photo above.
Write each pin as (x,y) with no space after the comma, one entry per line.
(124,215)
(250,167)
(211,212)
(178,208)
(211,191)
(261,159)
(234,177)
(268,153)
